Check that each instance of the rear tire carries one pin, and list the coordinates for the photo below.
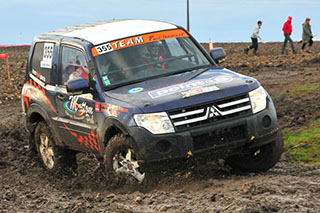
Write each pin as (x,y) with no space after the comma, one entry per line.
(120,160)
(53,158)
(258,159)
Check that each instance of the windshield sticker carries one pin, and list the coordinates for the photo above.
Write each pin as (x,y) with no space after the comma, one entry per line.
(47,56)
(189,86)
(198,91)
(136,90)
(137,40)
(106,80)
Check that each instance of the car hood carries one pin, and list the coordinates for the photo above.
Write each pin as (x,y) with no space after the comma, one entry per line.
(181,90)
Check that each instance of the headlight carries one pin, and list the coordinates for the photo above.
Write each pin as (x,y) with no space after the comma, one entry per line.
(258,99)
(156,123)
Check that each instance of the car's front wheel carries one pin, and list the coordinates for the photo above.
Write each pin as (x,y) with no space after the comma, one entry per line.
(53,158)
(258,159)
(120,159)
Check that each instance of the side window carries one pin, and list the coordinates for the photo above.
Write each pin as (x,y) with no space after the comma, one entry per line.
(41,62)
(74,65)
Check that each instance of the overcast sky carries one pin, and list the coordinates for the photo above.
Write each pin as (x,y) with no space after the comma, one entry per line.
(219,20)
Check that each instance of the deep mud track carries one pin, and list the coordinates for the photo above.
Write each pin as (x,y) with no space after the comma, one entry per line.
(194,185)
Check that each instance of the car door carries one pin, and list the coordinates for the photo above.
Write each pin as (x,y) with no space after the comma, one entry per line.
(75,112)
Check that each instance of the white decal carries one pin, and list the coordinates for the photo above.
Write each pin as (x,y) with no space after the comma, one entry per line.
(47,55)
(104,48)
(198,91)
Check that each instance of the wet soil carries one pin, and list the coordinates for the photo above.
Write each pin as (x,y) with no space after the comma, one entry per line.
(198,184)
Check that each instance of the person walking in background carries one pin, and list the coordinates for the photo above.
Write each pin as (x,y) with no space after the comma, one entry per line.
(287,30)
(307,35)
(254,39)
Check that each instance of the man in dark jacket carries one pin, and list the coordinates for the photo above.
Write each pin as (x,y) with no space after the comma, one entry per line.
(306,35)
(287,30)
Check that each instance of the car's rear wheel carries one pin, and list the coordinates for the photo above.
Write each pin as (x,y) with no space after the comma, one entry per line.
(53,158)
(120,159)
(258,159)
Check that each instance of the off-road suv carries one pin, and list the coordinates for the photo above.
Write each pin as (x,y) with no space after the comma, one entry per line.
(138,91)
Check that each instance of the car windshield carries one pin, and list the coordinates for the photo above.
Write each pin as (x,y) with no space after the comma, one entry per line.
(135,59)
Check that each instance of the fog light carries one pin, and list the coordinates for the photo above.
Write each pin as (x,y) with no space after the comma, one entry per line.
(266,121)
(163,146)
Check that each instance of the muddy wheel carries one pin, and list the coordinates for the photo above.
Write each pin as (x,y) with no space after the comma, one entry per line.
(120,160)
(53,158)
(258,159)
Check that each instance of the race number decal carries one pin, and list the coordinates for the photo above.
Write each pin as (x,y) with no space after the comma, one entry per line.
(104,48)
(47,55)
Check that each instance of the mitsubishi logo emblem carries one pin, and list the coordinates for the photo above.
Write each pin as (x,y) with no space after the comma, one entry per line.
(213,112)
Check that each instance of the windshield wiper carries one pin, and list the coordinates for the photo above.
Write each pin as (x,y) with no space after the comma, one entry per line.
(198,73)
(159,76)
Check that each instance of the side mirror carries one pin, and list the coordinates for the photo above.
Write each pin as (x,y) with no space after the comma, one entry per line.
(79,85)
(218,54)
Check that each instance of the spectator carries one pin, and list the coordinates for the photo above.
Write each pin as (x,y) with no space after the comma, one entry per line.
(287,30)
(254,39)
(307,35)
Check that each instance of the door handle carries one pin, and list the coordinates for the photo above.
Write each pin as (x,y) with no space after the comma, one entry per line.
(61,97)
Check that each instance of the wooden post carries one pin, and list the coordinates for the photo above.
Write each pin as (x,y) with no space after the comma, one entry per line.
(5,56)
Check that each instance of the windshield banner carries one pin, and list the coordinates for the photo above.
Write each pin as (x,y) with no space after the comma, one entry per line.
(137,40)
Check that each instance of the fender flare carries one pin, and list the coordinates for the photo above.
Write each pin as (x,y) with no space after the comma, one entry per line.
(108,124)
(36,108)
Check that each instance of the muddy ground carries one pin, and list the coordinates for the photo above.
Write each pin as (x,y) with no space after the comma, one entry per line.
(199,184)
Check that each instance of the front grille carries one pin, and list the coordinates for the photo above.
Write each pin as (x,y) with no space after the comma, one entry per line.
(210,112)
(219,137)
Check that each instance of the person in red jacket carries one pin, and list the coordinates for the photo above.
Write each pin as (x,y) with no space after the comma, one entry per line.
(287,30)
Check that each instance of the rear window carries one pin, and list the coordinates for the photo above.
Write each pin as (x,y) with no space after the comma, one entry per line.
(41,62)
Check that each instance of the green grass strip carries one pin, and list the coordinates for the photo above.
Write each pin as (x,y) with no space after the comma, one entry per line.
(303,147)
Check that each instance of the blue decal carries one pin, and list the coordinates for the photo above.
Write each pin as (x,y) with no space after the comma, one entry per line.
(136,90)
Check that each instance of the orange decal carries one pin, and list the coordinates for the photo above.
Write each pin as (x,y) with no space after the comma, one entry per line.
(34,90)
(137,40)
(89,141)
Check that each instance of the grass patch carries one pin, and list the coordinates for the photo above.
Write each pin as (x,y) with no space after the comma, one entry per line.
(305,90)
(303,147)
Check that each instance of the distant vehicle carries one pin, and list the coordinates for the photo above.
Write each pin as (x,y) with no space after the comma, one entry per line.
(138,91)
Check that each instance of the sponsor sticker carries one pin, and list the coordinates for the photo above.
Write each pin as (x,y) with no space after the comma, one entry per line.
(189,86)
(200,90)
(79,109)
(137,40)
(136,90)
(112,110)
(38,75)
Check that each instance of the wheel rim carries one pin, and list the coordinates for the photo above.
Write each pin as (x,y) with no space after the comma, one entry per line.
(124,162)
(46,151)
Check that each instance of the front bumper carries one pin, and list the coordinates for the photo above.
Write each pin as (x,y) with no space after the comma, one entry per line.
(224,137)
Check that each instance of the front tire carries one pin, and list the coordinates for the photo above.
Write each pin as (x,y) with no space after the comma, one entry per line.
(258,159)
(120,159)
(53,158)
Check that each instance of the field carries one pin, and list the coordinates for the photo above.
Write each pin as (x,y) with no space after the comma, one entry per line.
(199,184)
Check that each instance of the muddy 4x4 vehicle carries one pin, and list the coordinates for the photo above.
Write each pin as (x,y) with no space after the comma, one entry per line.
(139,91)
